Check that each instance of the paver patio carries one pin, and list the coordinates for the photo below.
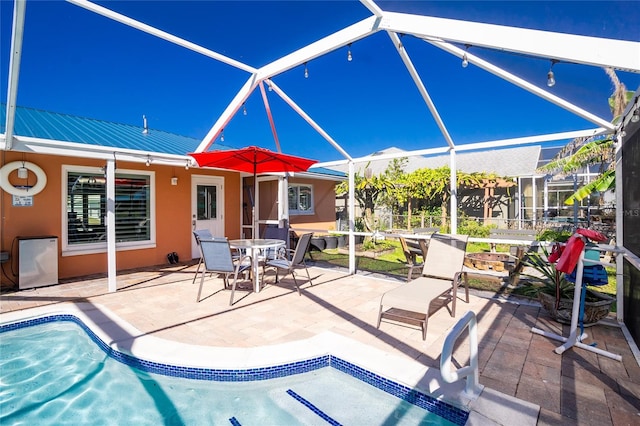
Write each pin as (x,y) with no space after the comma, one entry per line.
(578,387)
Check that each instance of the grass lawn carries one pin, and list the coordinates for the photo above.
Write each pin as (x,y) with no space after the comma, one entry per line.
(393,264)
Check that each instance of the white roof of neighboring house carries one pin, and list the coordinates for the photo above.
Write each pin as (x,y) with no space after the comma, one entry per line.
(512,162)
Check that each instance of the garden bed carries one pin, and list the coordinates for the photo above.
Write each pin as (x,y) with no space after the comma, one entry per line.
(373,254)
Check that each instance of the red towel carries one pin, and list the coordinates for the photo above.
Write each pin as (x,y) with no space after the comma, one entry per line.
(570,255)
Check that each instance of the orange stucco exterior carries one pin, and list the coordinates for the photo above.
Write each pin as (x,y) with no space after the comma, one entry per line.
(173,223)
(173,214)
(324,213)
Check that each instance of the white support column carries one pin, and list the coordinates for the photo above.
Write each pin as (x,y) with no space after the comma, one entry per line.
(619,232)
(111,225)
(283,199)
(519,203)
(546,198)
(454,192)
(19,10)
(352,219)
(534,197)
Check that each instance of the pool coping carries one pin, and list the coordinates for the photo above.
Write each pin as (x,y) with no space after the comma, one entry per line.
(491,407)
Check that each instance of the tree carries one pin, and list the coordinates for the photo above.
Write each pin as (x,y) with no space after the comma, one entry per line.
(394,197)
(435,184)
(368,190)
(584,152)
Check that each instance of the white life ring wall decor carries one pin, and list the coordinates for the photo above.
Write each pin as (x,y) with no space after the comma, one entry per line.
(6,170)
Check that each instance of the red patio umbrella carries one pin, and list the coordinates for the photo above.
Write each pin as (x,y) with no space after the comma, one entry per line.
(252,159)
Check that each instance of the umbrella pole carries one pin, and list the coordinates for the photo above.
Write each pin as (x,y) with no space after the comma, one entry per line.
(255,201)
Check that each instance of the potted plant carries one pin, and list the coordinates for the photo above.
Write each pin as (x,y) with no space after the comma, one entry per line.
(331,240)
(318,243)
(555,292)
(359,227)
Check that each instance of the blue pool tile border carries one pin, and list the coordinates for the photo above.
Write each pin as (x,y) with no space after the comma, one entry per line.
(450,412)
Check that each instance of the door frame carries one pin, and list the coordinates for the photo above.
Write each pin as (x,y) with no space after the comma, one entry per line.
(218,231)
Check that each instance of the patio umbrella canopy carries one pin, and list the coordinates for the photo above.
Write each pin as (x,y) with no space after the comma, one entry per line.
(252,159)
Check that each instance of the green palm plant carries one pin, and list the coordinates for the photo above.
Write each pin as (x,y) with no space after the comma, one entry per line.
(583,152)
(553,281)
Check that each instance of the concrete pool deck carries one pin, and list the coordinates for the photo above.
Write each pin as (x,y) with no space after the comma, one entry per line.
(525,381)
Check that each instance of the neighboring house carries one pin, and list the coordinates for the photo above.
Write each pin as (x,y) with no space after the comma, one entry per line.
(533,197)
(491,203)
(160,195)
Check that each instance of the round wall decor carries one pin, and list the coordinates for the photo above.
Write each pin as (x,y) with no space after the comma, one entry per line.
(6,170)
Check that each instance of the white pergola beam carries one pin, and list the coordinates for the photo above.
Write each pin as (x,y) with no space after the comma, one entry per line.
(600,52)
(267,108)
(421,88)
(17,32)
(161,34)
(228,113)
(390,156)
(309,120)
(532,139)
(472,146)
(373,8)
(321,47)
(523,84)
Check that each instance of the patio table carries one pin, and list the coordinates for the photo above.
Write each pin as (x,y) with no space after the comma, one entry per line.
(255,245)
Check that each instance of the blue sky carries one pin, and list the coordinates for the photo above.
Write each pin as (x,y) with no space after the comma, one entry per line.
(80,63)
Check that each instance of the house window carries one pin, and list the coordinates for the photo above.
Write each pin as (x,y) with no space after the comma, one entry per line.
(86,209)
(300,199)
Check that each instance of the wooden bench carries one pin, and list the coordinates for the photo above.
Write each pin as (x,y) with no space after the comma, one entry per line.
(412,248)
(522,241)
(513,236)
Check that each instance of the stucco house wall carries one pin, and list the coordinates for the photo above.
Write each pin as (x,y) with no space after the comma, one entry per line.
(172,205)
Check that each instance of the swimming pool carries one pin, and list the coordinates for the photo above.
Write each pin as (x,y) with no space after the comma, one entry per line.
(84,375)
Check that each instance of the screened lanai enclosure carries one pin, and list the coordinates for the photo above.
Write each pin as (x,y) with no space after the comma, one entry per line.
(471,44)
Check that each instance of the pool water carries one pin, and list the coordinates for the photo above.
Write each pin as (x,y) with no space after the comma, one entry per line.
(54,374)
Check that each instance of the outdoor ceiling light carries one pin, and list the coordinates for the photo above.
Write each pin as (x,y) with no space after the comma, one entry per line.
(465,60)
(349,57)
(269,86)
(222,135)
(636,115)
(148,163)
(551,81)
(186,166)
(244,109)
(306,71)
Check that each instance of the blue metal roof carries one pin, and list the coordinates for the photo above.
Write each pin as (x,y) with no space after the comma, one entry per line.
(68,128)
(35,123)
